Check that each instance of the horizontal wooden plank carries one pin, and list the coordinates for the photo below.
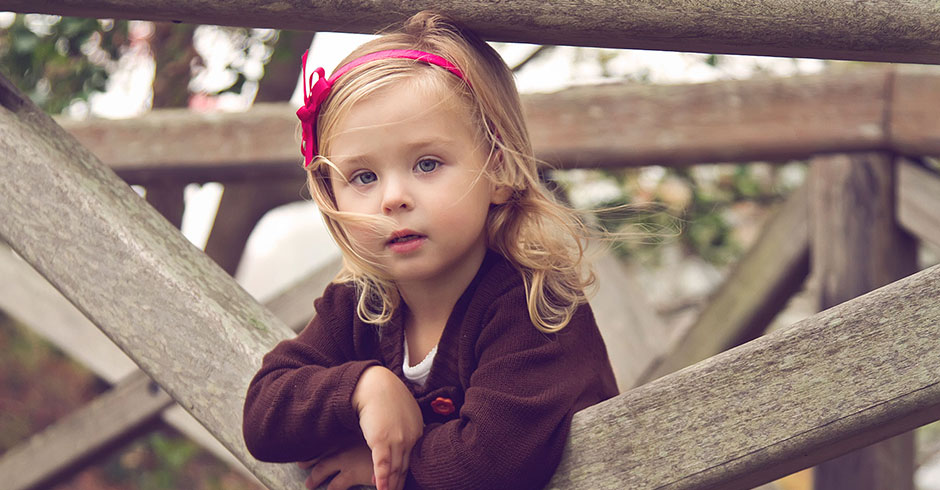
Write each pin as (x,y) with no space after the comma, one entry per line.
(839,380)
(875,30)
(757,289)
(918,205)
(607,125)
(914,118)
(69,442)
(133,274)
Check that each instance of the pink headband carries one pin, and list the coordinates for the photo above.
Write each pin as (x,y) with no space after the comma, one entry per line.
(316,93)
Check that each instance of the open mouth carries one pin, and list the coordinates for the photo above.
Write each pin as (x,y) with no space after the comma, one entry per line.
(404,238)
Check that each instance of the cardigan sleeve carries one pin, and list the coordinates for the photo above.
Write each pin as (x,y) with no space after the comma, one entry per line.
(299,404)
(517,410)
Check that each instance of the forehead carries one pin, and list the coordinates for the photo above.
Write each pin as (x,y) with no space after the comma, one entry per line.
(404,112)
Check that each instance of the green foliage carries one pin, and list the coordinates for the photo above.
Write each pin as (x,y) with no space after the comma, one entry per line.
(694,206)
(58,60)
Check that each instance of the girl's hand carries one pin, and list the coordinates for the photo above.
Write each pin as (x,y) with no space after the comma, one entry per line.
(391,422)
(352,466)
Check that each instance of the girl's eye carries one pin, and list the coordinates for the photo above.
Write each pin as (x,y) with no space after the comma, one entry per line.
(427,165)
(364,178)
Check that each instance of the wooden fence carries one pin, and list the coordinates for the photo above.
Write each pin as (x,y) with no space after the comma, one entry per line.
(850,376)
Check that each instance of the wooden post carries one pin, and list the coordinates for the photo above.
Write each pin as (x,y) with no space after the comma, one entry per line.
(858,246)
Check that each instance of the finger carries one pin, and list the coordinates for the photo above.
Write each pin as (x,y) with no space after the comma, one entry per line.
(339,482)
(320,473)
(380,458)
(406,460)
(394,469)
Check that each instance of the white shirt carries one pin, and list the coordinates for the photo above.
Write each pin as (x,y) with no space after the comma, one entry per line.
(418,374)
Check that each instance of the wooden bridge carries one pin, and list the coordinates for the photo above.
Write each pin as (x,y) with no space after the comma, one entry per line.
(693,414)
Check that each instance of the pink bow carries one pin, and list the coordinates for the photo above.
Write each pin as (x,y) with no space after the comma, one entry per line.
(314,95)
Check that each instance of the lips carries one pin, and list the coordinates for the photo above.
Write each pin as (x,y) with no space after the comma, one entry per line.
(405,242)
(404,236)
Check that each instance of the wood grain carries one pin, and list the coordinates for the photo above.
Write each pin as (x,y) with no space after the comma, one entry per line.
(609,125)
(839,380)
(858,246)
(875,30)
(181,318)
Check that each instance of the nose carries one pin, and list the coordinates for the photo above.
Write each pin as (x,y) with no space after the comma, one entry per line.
(396,196)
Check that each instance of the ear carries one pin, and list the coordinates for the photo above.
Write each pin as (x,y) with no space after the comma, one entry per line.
(501,194)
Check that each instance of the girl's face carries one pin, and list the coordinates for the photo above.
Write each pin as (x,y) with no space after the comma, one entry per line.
(409,155)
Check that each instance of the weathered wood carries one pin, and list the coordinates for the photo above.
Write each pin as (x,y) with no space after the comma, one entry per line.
(608,125)
(33,302)
(914,120)
(857,246)
(243,204)
(755,291)
(129,271)
(771,119)
(875,30)
(839,380)
(112,417)
(198,147)
(918,206)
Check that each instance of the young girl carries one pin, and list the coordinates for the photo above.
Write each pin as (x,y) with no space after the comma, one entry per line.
(457,343)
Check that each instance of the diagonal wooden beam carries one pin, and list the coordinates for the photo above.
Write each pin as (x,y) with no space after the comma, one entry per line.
(66,445)
(839,380)
(132,273)
(756,290)
(875,30)
(34,303)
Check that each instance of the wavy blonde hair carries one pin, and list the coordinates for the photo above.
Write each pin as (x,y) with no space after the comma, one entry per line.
(544,240)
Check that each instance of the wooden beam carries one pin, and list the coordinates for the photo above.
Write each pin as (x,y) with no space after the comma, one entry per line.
(875,30)
(842,379)
(913,116)
(858,246)
(918,206)
(608,125)
(771,119)
(756,290)
(35,303)
(127,269)
(79,437)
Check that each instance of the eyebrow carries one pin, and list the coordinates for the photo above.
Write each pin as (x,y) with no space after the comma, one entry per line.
(413,146)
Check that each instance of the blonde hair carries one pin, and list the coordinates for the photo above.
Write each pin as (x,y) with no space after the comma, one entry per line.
(544,240)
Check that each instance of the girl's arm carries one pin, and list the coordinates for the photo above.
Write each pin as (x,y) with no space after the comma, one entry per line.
(299,404)
(517,411)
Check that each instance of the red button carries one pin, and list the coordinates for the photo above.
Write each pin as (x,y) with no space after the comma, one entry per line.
(443,406)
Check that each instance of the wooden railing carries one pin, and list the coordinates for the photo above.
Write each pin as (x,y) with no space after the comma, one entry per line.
(875,30)
(852,375)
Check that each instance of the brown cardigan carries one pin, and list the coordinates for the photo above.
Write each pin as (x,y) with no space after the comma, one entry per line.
(497,405)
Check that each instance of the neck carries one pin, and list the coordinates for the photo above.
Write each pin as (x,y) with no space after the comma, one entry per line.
(431,301)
